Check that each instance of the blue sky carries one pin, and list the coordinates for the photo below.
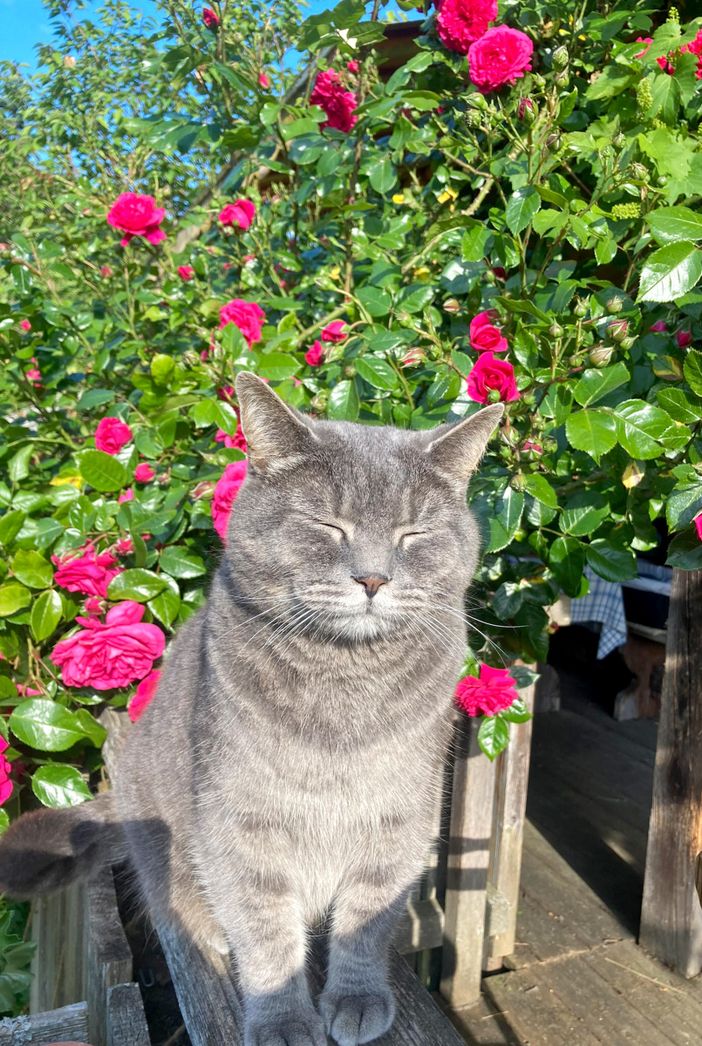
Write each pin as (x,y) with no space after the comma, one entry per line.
(24,23)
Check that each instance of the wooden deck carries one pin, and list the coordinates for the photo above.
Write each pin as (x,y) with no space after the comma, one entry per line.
(577,976)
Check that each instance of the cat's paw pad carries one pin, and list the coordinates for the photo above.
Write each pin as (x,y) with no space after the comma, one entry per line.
(354,1019)
(292,1029)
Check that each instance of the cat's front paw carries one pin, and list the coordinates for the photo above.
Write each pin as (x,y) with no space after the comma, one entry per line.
(294,1028)
(352,1019)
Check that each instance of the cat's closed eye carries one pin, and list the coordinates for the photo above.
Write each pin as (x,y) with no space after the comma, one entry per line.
(408,537)
(337,532)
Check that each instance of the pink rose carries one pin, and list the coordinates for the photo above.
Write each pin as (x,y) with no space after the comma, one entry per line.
(315,355)
(535,448)
(186,272)
(460,22)
(225,492)
(33,375)
(5,771)
(137,215)
(500,57)
(492,375)
(210,19)
(126,495)
(245,315)
(85,571)
(695,47)
(94,606)
(413,358)
(338,104)
(124,547)
(248,258)
(698,525)
(352,66)
(25,325)
(111,435)
(484,336)
(28,691)
(105,272)
(264,81)
(226,393)
(491,693)
(238,440)
(683,338)
(241,213)
(143,695)
(110,654)
(334,331)
(143,473)
(659,327)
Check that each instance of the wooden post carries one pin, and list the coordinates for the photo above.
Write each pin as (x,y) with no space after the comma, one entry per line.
(671,917)
(473,795)
(508,833)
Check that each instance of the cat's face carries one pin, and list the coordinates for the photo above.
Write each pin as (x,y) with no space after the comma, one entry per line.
(352,531)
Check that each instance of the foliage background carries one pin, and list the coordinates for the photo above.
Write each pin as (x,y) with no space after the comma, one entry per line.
(572,214)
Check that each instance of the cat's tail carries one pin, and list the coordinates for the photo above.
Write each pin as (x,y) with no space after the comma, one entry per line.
(47,849)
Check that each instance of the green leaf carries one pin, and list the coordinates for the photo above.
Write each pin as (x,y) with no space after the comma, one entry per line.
(540,488)
(58,785)
(343,402)
(594,431)
(178,562)
(685,551)
(683,505)
(32,569)
(504,523)
(640,427)
(517,712)
(375,301)
(493,736)
(612,81)
(102,471)
(522,206)
(13,597)
(666,98)
(377,372)
(45,725)
(46,613)
(137,584)
(93,730)
(595,384)
(670,272)
(382,175)
(18,465)
(10,526)
(583,513)
(566,559)
(676,403)
(611,562)
(162,368)
(693,372)
(277,365)
(166,604)
(670,224)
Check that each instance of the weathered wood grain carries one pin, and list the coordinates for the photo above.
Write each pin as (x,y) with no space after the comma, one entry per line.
(512,777)
(671,917)
(125,1022)
(471,824)
(69,1023)
(107,954)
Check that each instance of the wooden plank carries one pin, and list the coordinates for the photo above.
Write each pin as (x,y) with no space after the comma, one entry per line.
(671,918)
(512,778)
(58,966)
(69,1023)
(535,1012)
(107,954)
(125,1023)
(653,989)
(482,1024)
(473,793)
(421,927)
(213,1015)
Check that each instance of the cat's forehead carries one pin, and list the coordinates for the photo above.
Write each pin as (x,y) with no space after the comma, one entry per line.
(375,471)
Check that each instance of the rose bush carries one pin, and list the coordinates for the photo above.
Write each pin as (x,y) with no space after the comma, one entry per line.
(505,216)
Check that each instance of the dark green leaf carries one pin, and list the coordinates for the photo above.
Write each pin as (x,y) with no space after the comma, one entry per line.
(693,373)
(137,584)
(611,562)
(343,402)
(493,736)
(567,561)
(670,272)
(45,725)
(521,208)
(180,563)
(640,427)
(670,224)
(58,785)
(46,613)
(596,384)
(377,372)
(102,471)
(594,431)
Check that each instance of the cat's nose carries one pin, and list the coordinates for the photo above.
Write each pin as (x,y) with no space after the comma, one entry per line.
(372,583)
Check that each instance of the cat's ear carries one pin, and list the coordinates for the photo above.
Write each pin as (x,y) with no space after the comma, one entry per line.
(277,436)
(456,450)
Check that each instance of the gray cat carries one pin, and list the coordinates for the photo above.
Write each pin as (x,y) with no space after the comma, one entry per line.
(293,753)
